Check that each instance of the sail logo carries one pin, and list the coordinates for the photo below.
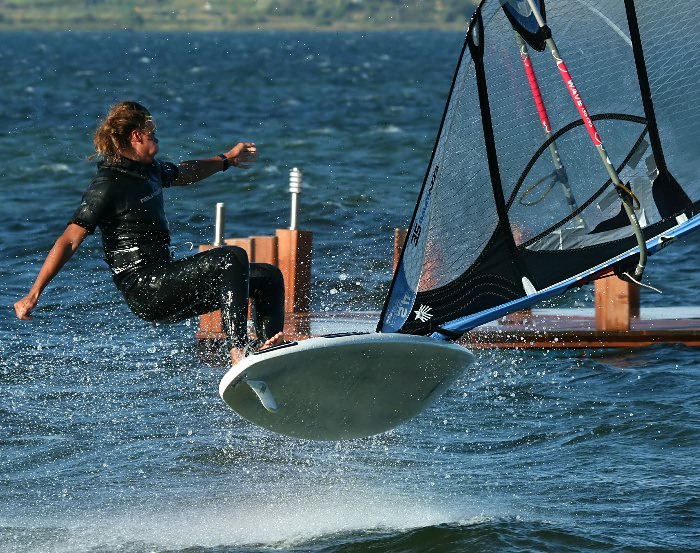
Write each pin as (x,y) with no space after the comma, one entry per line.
(404,307)
(415,235)
(403,310)
(433,179)
(155,193)
(418,225)
(423,314)
(583,112)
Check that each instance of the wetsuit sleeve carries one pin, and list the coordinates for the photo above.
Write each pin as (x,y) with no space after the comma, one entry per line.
(169,173)
(93,206)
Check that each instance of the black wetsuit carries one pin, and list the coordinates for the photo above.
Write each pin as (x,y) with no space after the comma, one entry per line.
(125,199)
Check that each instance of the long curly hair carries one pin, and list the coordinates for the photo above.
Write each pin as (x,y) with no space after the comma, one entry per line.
(112,136)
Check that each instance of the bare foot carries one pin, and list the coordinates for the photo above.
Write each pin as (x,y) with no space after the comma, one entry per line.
(237,354)
(276,340)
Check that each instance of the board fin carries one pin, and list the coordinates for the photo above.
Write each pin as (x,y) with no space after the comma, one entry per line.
(264,394)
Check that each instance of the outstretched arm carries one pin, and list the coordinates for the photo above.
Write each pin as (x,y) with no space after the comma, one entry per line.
(64,248)
(195,170)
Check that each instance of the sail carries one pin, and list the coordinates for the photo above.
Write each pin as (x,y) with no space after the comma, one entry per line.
(550,170)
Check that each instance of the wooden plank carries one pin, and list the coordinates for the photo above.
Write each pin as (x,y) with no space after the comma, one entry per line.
(246,243)
(582,339)
(265,249)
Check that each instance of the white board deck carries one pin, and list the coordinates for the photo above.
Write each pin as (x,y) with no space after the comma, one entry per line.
(342,386)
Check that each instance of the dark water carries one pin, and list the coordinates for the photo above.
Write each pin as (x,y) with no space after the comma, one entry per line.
(112,435)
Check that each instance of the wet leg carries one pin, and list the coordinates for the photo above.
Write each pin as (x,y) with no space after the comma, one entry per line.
(267,293)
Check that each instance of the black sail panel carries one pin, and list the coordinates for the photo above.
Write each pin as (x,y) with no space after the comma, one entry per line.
(494,278)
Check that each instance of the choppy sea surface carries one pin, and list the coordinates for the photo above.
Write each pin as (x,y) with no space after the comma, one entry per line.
(112,434)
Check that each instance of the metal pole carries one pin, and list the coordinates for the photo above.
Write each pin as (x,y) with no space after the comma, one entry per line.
(220,224)
(623,192)
(295,190)
(546,126)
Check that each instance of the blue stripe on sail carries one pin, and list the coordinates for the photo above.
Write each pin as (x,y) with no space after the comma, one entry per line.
(653,245)
(400,304)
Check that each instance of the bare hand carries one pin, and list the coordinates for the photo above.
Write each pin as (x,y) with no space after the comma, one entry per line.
(23,308)
(242,154)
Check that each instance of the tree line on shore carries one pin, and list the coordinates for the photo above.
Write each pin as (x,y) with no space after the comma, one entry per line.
(233,14)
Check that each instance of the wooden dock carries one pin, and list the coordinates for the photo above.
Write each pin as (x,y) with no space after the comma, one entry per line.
(616,321)
(564,328)
(576,328)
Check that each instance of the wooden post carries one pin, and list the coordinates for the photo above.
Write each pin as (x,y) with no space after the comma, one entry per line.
(294,260)
(616,302)
(265,249)
(399,241)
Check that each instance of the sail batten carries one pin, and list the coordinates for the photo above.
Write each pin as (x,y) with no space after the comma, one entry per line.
(516,205)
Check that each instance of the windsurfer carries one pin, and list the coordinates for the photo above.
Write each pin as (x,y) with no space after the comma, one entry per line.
(125,200)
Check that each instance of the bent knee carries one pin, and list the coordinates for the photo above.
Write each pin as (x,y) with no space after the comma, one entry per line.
(267,271)
(229,257)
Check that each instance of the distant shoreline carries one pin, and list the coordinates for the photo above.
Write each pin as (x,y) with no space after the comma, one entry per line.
(186,15)
(341,28)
